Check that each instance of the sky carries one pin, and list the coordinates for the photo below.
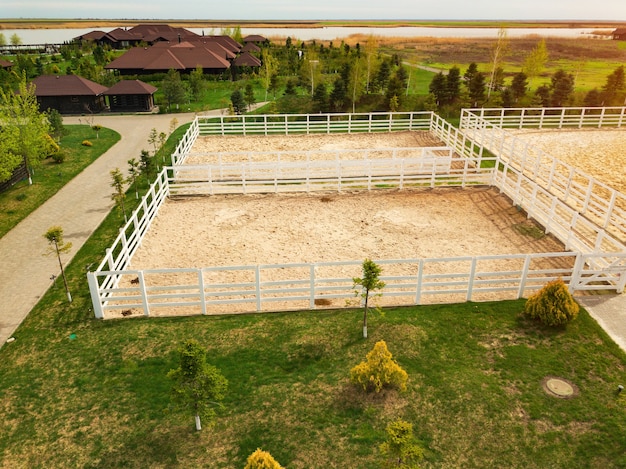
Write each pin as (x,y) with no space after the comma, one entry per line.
(613,10)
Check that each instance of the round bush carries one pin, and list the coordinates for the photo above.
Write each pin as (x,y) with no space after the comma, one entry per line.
(553,305)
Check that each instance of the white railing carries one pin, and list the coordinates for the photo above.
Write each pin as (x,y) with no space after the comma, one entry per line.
(220,290)
(584,215)
(590,198)
(439,169)
(186,143)
(291,124)
(542,118)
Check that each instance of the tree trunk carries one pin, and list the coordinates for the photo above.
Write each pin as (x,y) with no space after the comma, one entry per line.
(198,426)
(365,317)
(67,288)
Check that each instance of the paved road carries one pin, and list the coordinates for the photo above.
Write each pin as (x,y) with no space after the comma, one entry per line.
(85,201)
(78,208)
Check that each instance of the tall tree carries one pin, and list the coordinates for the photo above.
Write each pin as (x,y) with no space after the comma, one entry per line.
(498,53)
(613,89)
(519,85)
(337,99)
(198,386)
(26,129)
(437,88)
(118,183)
(371,53)
(476,89)
(453,85)
(238,102)
(174,89)
(269,68)
(471,71)
(54,235)
(197,83)
(561,88)
(536,60)
(320,98)
(356,82)
(368,283)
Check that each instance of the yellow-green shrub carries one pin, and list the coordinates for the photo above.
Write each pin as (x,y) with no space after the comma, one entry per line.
(261,460)
(87,143)
(553,305)
(379,370)
(401,449)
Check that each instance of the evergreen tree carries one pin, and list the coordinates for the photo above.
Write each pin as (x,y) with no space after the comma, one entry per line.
(437,88)
(561,88)
(320,99)
(613,90)
(542,96)
(476,89)
(453,85)
(238,102)
(519,86)
(173,88)
(469,74)
(337,100)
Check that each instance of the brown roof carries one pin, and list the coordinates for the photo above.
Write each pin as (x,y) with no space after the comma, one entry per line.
(126,87)
(246,59)
(251,47)
(254,38)
(183,56)
(620,31)
(66,85)
(5,63)
(154,32)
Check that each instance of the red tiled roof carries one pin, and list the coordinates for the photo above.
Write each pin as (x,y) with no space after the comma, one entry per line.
(125,87)
(66,85)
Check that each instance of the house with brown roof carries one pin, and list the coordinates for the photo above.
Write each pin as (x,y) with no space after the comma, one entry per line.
(255,38)
(131,96)
(251,47)
(182,57)
(5,64)
(119,38)
(619,34)
(247,60)
(69,94)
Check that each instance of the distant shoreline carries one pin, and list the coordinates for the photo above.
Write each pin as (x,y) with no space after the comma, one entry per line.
(38,23)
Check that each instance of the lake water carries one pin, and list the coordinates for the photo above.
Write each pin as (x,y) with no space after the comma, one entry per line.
(58,36)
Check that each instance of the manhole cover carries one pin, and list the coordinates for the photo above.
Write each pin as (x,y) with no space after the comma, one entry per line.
(559,387)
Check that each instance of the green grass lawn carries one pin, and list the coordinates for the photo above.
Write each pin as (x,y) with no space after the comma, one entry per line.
(22,199)
(78,392)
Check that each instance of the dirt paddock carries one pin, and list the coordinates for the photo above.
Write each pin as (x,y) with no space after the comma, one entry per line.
(310,228)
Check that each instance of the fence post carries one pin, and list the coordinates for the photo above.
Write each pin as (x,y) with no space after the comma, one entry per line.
(202,297)
(522,281)
(576,276)
(470,282)
(312,286)
(257,277)
(144,293)
(418,283)
(94,290)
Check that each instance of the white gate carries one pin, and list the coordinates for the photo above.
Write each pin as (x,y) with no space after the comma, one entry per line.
(597,272)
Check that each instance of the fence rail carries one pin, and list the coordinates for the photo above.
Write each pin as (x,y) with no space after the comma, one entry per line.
(586,215)
(541,118)
(590,198)
(291,124)
(217,290)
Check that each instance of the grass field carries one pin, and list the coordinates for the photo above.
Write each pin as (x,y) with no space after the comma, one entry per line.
(22,199)
(77,392)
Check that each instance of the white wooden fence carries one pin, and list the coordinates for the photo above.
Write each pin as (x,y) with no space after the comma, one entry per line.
(587,216)
(546,117)
(591,199)
(219,290)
